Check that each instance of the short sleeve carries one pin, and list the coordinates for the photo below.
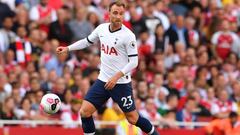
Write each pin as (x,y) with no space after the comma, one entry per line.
(215,38)
(19,113)
(214,109)
(93,37)
(234,107)
(131,46)
(34,14)
(236,46)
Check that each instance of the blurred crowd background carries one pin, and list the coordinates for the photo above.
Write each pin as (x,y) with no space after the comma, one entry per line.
(189,58)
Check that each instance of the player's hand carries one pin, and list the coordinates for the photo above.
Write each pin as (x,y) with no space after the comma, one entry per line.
(62,49)
(112,81)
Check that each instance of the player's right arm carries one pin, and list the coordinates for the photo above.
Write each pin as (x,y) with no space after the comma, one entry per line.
(81,44)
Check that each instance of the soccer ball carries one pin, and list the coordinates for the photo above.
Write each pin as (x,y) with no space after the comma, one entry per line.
(50,103)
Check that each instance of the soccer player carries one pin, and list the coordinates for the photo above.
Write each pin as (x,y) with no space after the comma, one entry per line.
(118,57)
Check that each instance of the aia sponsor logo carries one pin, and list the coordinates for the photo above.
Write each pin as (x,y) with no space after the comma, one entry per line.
(109,50)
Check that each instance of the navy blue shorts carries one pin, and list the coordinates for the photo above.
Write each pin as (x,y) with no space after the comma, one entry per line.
(121,94)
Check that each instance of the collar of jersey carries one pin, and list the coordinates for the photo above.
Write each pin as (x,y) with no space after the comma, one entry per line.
(114,30)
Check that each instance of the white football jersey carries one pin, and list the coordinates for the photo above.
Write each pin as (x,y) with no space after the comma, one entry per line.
(116,47)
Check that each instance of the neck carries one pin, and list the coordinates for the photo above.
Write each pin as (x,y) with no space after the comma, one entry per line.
(179,26)
(61,22)
(43,5)
(27,110)
(225,31)
(162,100)
(188,110)
(114,27)
(160,35)
(79,19)
(7,29)
(34,42)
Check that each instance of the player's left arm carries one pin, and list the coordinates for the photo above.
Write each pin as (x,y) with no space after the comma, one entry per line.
(132,52)
(131,49)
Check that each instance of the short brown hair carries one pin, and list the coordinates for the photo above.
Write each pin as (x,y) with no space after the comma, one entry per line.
(118,3)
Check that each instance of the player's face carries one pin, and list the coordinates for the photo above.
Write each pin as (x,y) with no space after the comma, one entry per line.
(117,15)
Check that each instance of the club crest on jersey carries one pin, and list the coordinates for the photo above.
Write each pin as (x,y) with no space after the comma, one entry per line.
(116,39)
(109,50)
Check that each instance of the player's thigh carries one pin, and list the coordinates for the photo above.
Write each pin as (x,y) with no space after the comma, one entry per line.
(123,96)
(97,95)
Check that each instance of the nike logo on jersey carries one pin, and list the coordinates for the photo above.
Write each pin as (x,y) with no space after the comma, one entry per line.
(107,50)
(128,107)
